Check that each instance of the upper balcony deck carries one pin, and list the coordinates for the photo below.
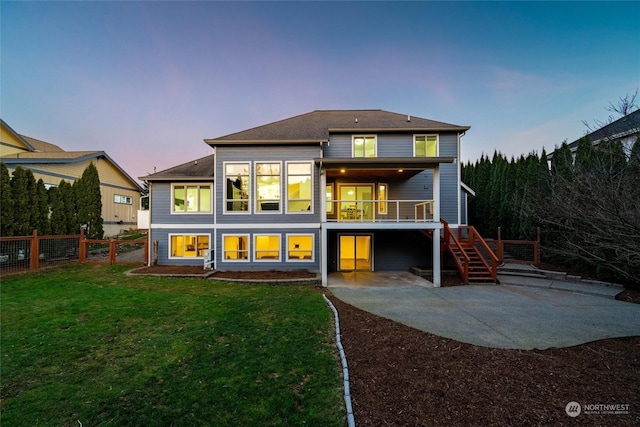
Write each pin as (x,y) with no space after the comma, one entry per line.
(379,211)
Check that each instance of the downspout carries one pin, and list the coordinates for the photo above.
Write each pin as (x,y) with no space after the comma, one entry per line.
(437,279)
(215,213)
(323,217)
(149,233)
(460,135)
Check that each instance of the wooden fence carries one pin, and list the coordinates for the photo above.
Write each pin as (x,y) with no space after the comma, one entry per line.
(518,251)
(22,253)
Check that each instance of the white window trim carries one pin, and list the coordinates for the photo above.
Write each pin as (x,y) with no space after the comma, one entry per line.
(117,199)
(224,188)
(379,201)
(353,145)
(233,261)
(313,248)
(330,203)
(170,235)
(185,185)
(255,245)
(286,184)
(427,135)
(255,190)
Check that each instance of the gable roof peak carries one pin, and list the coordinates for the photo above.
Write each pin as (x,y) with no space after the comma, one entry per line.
(317,125)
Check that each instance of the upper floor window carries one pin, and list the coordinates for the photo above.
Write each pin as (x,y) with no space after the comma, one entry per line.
(125,200)
(299,187)
(268,187)
(191,198)
(237,187)
(364,146)
(425,146)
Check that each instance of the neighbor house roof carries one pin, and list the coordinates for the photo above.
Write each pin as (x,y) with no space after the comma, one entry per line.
(63,157)
(316,126)
(623,127)
(194,170)
(16,135)
(41,152)
(41,145)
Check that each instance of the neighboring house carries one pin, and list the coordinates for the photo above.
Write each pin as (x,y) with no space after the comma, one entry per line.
(120,193)
(326,191)
(625,129)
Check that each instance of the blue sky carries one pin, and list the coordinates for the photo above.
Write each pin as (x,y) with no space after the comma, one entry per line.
(148,81)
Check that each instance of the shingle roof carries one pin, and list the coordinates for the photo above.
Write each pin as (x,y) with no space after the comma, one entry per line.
(317,125)
(199,169)
(43,157)
(624,126)
(42,145)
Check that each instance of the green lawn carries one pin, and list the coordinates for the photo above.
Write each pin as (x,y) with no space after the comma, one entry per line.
(90,345)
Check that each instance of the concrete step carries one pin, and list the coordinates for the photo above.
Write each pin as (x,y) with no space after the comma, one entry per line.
(528,275)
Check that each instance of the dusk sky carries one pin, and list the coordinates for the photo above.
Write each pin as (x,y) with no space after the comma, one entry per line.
(148,81)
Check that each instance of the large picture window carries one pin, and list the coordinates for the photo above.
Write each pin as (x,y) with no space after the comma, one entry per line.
(299,247)
(266,247)
(268,187)
(237,187)
(364,146)
(235,248)
(425,146)
(191,198)
(299,187)
(188,245)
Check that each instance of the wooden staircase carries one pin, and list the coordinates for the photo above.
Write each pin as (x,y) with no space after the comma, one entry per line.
(473,257)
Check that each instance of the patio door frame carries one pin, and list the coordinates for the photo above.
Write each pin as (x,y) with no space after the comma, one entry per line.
(343,206)
(369,257)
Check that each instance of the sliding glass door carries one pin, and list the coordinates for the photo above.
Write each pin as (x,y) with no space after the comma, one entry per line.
(356,202)
(355,253)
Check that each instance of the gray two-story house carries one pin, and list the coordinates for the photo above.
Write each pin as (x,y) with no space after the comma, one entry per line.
(326,191)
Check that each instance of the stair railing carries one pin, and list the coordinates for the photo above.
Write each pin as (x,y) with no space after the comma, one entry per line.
(474,236)
(450,238)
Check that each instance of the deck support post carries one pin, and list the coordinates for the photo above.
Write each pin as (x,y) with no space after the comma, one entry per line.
(437,274)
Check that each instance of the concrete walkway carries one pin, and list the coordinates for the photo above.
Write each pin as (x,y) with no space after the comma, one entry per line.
(524,315)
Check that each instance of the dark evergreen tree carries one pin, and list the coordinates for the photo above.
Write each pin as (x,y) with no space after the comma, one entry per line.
(562,162)
(42,223)
(32,198)
(585,155)
(21,201)
(58,216)
(6,202)
(70,217)
(89,202)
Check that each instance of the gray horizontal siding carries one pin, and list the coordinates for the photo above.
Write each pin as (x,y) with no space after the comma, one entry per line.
(449,191)
(162,204)
(162,236)
(449,185)
(393,250)
(265,154)
(389,145)
(282,264)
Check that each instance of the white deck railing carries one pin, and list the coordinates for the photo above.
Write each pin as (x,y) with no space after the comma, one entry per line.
(380,211)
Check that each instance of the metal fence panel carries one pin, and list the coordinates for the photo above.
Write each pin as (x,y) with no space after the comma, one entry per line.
(15,255)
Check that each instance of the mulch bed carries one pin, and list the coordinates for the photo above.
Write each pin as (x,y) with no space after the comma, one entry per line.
(246,275)
(400,376)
